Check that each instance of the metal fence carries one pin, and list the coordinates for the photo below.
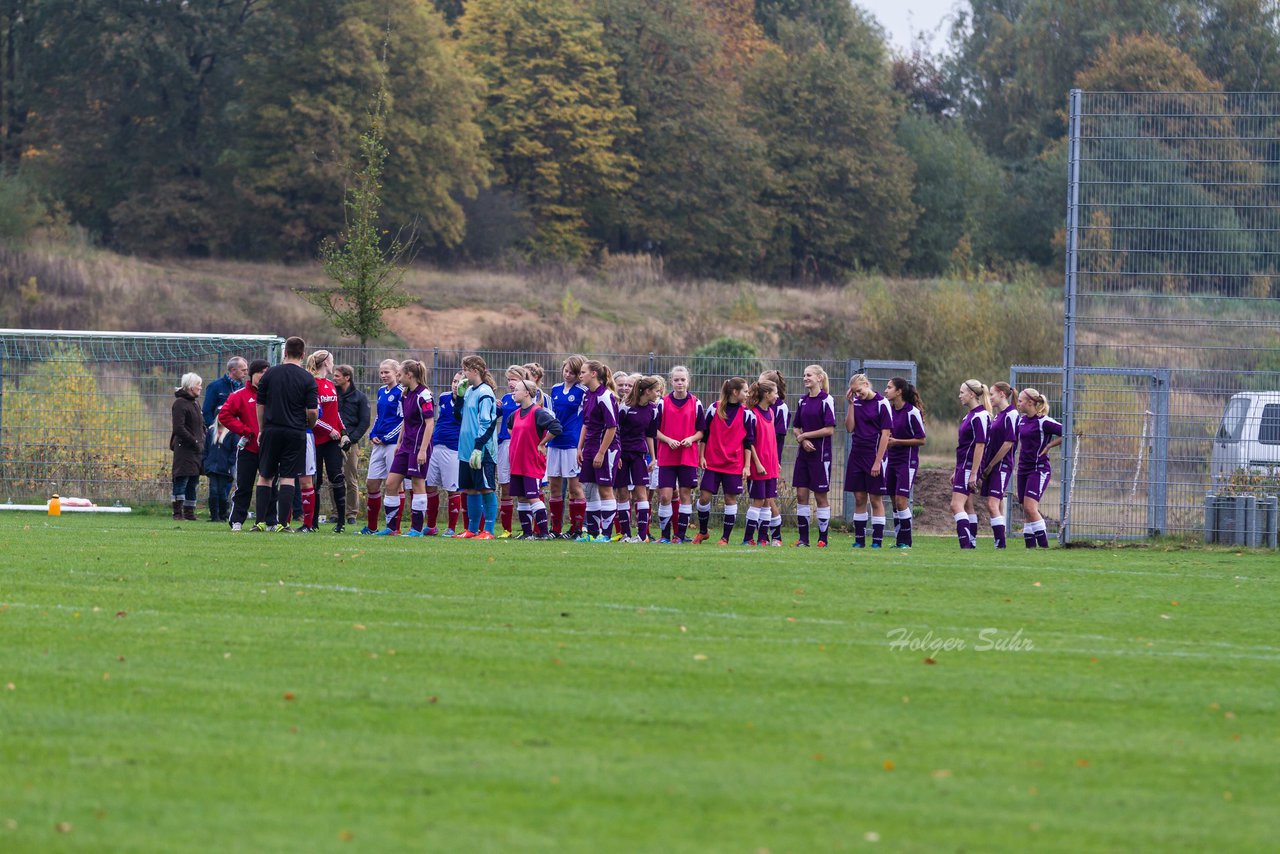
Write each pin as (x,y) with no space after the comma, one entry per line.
(88,414)
(1170,385)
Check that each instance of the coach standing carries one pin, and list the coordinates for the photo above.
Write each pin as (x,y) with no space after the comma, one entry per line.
(288,404)
(353,406)
(217,392)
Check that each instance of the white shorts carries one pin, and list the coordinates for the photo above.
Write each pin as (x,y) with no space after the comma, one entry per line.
(442,469)
(504,462)
(562,462)
(380,457)
(311,455)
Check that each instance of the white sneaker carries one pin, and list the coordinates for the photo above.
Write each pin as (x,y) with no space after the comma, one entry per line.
(235,527)
(631,540)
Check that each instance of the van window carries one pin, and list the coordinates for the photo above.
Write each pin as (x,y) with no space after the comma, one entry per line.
(1233,420)
(1269,430)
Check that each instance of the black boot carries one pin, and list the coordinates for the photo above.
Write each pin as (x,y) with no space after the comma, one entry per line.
(177,510)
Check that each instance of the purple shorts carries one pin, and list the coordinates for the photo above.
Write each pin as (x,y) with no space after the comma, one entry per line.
(525,487)
(899,477)
(603,475)
(669,477)
(714,481)
(811,472)
(1032,484)
(405,463)
(762,489)
(960,480)
(860,480)
(633,472)
(996,485)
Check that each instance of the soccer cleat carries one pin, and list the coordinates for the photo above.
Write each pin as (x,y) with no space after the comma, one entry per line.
(519,535)
(801,544)
(723,542)
(468,535)
(574,534)
(280,529)
(777,544)
(859,545)
(485,535)
(583,538)
(366,531)
(665,541)
(339,528)
(875,545)
(901,546)
(616,538)
(303,529)
(235,527)
(258,528)
(387,532)
(701,538)
(822,544)
(450,533)
(413,533)
(431,532)
(602,538)
(505,535)
(748,542)
(763,541)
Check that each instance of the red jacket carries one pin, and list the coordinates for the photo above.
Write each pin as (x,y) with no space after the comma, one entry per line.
(327,394)
(240,415)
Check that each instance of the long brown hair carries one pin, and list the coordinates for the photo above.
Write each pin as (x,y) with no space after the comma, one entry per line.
(730,386)
(910,394)
(758,391)
(416,369)
(576,362)
(602,372)
(640,387)
(1009,392)
(477,364)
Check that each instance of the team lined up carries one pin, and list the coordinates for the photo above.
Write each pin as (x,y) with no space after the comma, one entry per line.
(605,444)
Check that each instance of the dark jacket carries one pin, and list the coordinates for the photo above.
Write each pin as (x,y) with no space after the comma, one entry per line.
(220,457)
(187,439)
(216,394)
(353,406)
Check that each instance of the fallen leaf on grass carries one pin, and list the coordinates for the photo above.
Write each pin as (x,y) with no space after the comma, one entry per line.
(346,835)
(818,757)
(359,627)
(106,676)
(63,827)
(684,629)
(1226,796)
(433,700)
(1083,763)
(930,661)
(791,619)
(1036,584)
(699,657)
(888,765)
(1231,716)
(10,687)
(871,836)
(941,774)
(289,695)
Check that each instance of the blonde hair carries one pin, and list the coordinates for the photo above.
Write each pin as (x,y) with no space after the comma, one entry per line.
(758,391)
(1041,402)
(823,379)
(681,368)
(517,372)
(775,377)
(858,380)
(980,391)
(662,384)
(535,372)
(316,359)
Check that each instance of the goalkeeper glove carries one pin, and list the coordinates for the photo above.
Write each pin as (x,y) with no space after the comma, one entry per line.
(462,388)
(477,457)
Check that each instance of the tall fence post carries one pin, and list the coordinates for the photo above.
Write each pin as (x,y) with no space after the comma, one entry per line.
(1158,493)
(1069,314)
(652,363)
(847,507)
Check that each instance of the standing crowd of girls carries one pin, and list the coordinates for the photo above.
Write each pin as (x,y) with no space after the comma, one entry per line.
(605,445)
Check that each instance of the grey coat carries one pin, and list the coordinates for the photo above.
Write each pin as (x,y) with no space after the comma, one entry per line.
(187,439)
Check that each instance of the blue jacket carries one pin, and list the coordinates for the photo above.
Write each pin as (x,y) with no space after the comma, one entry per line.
(216,394)
(220,457)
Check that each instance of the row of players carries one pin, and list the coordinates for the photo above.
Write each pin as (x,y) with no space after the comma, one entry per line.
(607,441)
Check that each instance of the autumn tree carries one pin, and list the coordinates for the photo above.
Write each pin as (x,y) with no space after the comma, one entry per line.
(555,126)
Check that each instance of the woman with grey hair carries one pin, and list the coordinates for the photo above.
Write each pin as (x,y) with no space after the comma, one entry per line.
(187,443)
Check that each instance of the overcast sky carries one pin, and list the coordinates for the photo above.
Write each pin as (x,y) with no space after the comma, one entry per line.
(901,17)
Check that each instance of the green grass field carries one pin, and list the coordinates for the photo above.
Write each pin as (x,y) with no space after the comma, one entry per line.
(174,688)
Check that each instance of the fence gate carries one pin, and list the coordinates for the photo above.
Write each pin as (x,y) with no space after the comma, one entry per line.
(1112,480)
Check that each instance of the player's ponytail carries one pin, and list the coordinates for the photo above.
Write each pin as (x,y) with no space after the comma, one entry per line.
(821,374)
(603,374)
(981,392)
(775,377)
(415,369)
(1006,390)
(726,391)
(1038,400)
(477,364)
(910,394)
(759,390)
(317,359)
(642,386)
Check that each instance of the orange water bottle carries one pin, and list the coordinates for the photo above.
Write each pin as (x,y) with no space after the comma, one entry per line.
(55,505)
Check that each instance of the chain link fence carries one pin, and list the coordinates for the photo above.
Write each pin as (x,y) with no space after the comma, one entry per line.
(88,414)
(1170,385)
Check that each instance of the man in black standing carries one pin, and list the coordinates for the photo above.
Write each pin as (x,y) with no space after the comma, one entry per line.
(288,404)
(353,406)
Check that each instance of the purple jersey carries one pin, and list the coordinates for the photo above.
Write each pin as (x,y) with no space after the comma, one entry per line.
(908,423)
(415,408)
(870,417)
(814,413)
(1034,435)
(1004,428)
(635,426)
(973,431)
(599,413)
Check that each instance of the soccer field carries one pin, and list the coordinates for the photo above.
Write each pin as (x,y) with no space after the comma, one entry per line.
(171,688)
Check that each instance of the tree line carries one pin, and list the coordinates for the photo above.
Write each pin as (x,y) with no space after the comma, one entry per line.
(774,138)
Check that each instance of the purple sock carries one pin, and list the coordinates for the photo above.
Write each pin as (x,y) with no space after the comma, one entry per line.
(416,518)
(904,531)
(973,533)
(540,520)
(860,528)
(749,534)
(728,524)
(526,521)
(624,521)
(998,532)
(962,531)
(802,525)
(682,524)
(642,522)
(877,531)
(1042,538)
(704,519)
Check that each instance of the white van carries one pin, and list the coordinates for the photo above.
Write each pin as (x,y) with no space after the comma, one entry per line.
(1248,437)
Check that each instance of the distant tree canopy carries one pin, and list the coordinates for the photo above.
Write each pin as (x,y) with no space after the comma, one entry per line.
(775,138)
